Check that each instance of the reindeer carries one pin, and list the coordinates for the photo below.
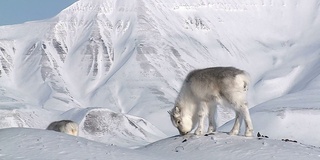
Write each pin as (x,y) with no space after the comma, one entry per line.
(202,91)
(64,126)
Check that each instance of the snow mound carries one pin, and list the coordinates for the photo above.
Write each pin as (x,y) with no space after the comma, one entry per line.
(104,125)
(223,146)
(44,144)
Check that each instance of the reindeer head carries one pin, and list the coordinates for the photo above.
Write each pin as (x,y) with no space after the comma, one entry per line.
(182,122)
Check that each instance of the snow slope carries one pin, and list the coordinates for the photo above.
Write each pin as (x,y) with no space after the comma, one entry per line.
(42,144)
(223,146)
(115,67)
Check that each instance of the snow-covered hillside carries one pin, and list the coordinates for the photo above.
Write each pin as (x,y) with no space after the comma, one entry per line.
(115,67)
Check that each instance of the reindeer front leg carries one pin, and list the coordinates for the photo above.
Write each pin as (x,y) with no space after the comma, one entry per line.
(212,122)
(203,112)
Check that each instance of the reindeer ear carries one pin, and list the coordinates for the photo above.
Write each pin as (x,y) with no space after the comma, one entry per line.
(176,109)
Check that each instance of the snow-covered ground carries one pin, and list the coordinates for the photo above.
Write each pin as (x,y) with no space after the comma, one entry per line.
(115,67)
(17,143)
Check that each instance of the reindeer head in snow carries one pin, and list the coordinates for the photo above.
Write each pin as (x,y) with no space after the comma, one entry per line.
(182,122)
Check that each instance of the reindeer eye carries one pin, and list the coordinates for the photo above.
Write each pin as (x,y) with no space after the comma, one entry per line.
(178,121)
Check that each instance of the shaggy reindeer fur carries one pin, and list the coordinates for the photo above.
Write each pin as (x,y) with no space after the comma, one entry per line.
(203,90)
(64,126)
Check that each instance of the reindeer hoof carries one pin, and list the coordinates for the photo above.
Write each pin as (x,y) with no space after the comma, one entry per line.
(211,129)
(198,132)
(249,134)
(235,132)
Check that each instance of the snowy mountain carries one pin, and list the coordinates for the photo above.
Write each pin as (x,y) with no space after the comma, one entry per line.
(99,58)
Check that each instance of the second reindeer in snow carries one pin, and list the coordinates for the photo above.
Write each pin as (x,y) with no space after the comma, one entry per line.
(64,126)
(203,90)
